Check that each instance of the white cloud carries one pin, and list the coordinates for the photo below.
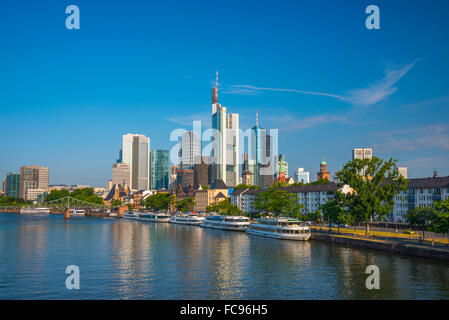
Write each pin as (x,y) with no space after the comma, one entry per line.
(187,120)
(305,123)
(422,138)
(369,96)
(379,91)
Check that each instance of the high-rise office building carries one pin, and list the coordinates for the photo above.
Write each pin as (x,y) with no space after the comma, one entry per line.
(201,172)
(403,172)
(136,153)
(225,153)
(190,149)
(302,176)
(360,153)
(32,177)
(159,169)
(185,177)
(261,154)
(121,174)
(173,169)
(248,169)
(12,187)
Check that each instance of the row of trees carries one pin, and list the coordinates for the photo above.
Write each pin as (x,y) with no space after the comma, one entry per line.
(434,219)
(10,201)
(163,201)
(84,194)
(224,207)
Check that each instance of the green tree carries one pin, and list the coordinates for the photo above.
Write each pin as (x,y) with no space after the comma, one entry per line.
(318,182)
(335,211)
(116,203)
(245,186)
(185,204)
(10,201)
(225,208)
(158,201)
(375,183)
(314,216)
(57,194)
(279,202)
(420,218)
(88,195)
(440,222)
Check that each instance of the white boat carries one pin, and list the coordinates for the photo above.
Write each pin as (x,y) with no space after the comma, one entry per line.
(232,223)
(130,215)
(77,212)
(190,219)
(155,217)
(280,228)
(35,211)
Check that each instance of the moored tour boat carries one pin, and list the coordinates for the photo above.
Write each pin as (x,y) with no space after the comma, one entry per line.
(232,223)
(155,217)
(190,219)
(35,211)
(77,212)
(130,215)
(280,228)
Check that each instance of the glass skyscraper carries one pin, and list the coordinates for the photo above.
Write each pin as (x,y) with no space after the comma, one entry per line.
(136,153)
(12,184)
(160,170)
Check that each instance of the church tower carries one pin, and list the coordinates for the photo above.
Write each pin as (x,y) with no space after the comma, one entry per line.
(323,174)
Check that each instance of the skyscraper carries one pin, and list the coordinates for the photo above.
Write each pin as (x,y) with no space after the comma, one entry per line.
(121,174)
(190,149)
(136,153)
(159,169)
(32,177)
(261,154)
(12,185)
(201,172)
(403,172)
(225,153)
(302,176)
(173,169)
(359,153)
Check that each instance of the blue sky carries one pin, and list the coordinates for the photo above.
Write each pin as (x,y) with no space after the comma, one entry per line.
(311,69)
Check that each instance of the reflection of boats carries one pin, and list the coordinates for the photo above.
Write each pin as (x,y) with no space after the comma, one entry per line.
(281,228)
(155,217)
(77,212)
(35,211)
(233,223)
(190,218)
(130,215)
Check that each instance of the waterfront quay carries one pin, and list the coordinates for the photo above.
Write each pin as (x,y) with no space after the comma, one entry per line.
(392,245)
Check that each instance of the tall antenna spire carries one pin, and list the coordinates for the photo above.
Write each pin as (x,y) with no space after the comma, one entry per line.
(216,81)
(257,118)
(215,92)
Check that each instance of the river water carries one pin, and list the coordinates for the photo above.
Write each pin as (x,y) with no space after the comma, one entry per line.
(123,259)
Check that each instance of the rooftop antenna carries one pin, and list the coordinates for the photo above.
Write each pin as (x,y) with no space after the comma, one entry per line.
(257,118)
(216,80)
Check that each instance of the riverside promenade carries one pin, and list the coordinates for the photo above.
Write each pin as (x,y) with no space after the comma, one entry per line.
(399,244)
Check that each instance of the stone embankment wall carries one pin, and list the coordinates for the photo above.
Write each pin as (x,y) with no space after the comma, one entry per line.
(385,245)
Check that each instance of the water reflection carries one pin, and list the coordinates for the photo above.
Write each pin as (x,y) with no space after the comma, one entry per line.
(123,259)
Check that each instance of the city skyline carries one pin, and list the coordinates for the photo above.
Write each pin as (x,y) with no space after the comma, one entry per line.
(336,87)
